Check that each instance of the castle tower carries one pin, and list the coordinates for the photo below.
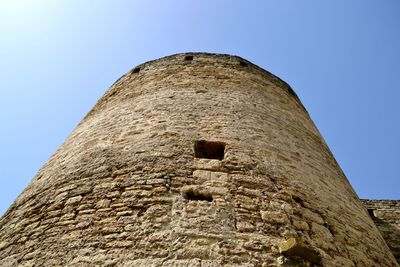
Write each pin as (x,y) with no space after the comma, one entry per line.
(192,160)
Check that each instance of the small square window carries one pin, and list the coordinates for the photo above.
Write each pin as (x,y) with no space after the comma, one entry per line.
(209,150)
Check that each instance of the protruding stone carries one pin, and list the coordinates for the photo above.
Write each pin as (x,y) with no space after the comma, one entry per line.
(103,203)
(301,225)
(296,249)
(73,200)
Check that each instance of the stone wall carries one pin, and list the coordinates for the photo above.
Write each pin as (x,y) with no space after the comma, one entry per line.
(192,160)
(386,215)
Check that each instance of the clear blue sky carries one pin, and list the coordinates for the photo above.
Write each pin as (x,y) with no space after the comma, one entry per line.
(341,57)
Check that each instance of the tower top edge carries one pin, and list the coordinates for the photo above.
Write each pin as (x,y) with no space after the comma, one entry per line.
(199,59)
(220,58)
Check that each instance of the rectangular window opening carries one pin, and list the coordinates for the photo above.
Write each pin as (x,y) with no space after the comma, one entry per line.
(209,150)
(188,58)
(195,196)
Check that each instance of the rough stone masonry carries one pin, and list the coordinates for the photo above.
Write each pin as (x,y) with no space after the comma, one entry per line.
(193,160)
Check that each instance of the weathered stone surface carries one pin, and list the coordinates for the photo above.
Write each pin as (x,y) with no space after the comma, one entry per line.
(125,189)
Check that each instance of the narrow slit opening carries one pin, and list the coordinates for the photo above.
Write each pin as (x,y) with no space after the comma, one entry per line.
(371,213)
(209,150)
(297,200)
(243,64)
(192,196)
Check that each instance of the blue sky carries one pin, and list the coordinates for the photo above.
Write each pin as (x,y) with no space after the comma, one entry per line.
(341,57)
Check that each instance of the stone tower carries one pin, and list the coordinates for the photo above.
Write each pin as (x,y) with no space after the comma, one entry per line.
(192,160)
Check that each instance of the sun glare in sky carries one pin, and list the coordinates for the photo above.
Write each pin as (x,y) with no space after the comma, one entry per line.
(20,12)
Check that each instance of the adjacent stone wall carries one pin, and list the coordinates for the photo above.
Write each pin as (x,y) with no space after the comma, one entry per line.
(386,215)
(126,188)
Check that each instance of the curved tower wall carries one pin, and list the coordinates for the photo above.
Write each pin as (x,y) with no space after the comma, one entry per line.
(192,160)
